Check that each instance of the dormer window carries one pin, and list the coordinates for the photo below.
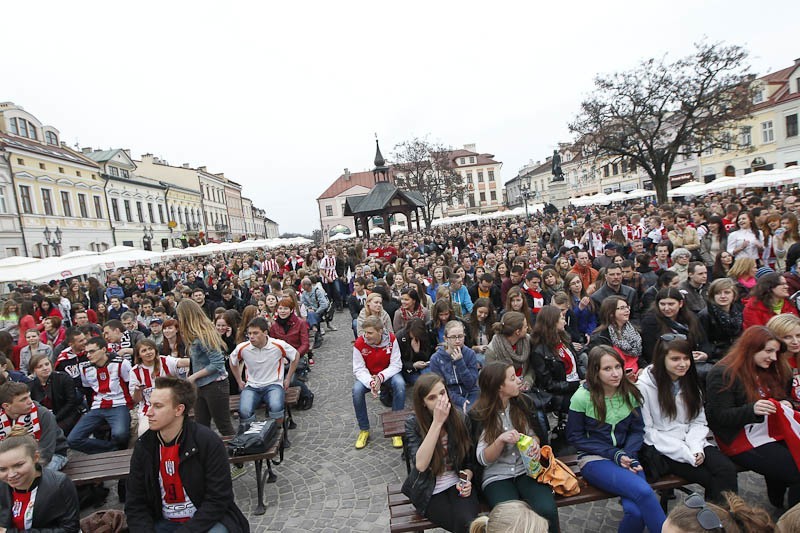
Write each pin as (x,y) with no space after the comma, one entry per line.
(51,138)
(463,161)
(125,173)
(114,171)
(758,96)
(23,128)
(471,159)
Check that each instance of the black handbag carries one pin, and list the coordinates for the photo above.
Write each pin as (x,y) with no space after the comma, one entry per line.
(257,437)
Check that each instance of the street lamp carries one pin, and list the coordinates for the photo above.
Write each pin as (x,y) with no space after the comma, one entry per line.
(54,242)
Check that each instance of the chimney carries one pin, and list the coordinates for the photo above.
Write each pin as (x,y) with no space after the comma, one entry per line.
(469,147)
(86,150)
(185,165)
(347,174)
(797,61)
(221,175)
(147,158)
(202,169)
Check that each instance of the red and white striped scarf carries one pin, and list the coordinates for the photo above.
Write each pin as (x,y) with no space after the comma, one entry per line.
(30,422)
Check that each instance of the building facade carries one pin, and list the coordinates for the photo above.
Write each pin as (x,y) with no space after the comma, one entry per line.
(249,221)
(331,203)
(481,175)
(215,210)
(59,193)
(233,203)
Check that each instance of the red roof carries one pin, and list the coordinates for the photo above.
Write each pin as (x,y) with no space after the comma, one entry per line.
(365,179)
(480,159)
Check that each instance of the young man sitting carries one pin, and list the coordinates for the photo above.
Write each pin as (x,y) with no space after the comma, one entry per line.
(265,359)
(107,376)
(17,409)
(376,366)
(183,482)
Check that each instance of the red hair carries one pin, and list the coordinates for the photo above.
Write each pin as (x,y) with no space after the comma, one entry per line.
(740,365)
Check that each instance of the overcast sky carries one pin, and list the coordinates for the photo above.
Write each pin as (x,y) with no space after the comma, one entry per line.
(282,96)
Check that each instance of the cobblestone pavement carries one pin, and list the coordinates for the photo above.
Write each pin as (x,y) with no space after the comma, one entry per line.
(326,485)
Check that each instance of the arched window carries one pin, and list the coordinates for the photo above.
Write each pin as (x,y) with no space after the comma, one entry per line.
(51,138)
(730,170)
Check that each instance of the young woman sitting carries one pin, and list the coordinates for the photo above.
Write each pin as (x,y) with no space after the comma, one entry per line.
(787,329)
(457,366)
(675,428)
(32,498)
(499,417)
(746,393)
(605,425)
(442,458)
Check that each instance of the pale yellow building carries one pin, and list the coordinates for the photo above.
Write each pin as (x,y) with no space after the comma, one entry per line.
(481,175)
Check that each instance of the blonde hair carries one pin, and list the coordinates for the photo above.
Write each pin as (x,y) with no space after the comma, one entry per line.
(370,297)
(790,520)
(741,267)
(510,517)
(194,324)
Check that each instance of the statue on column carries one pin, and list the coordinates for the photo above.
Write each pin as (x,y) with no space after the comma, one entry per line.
(558,174)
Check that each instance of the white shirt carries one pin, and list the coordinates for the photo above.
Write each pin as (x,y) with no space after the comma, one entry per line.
(265,366)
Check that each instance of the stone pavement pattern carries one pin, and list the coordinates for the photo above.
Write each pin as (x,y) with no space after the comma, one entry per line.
(326,485)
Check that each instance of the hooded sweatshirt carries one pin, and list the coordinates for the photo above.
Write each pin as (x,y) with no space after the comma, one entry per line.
(460,377)
(382,360)
(680,438)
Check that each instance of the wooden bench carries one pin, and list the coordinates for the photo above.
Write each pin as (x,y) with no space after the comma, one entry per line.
(394,425)
(108,466)
(403,516)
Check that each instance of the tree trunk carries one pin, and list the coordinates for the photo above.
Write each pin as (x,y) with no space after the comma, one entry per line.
(661,184)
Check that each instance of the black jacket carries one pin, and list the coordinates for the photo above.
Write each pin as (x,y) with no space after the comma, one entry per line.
(729,410)
(551,376)
(205,474)
(56,509)
(652,329)
(418,486)
(494,296)
(407,354)
(720,336)
(61,392)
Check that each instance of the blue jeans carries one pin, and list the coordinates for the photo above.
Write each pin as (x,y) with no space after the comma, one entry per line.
(411,378)
(252,397)
(312,318)
(57,462)
(639,503)
(355,328)
(118,418)
(165,526)
(398,388)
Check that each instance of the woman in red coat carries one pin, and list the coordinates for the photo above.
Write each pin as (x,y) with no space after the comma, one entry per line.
(291,328)
(768,298)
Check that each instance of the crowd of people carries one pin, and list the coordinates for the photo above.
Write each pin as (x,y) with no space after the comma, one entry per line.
(649,340)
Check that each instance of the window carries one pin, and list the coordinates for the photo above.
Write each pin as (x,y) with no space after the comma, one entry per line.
(23,126)
(606,172)
(20,161)
(115,209)
(161,213)
(726,141)
(180,216)
(747,136)
(78,173)
(82,206)
(480,176)
(483,197)
(12,252)
(114,171)
(328,210)
(150,212)
(128,216)
(60,170)
(463,161)
(492,196)
(139,213)
(491,175)
(51,138)
(25,196)
(767,132)
(615,169)
(47,201)
(469,177)
(3,207)
(471,159)
(12,126)
(125,173)
(66,205)
(98,208)
(758,96)
(791,125)
(41,166)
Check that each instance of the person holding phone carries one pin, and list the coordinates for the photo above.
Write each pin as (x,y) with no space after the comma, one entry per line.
(458,367)
(442,458)
(415,350)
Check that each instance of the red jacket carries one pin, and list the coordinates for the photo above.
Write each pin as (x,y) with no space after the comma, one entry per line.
(376,359)
(297,336)
(757,314)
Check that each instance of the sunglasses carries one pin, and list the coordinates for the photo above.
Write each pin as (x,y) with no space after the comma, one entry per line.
(707,518)
(669,337)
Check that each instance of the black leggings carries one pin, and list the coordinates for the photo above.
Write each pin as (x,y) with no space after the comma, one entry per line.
(450,511)
(717,473)
(775,463)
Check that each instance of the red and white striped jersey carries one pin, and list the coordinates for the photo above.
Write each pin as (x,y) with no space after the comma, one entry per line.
(109,384)
(144,377)
(269,266)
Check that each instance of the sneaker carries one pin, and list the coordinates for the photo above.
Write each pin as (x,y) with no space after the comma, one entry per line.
(237,471)
(332,328)
(397,442)
(310,361)
(361,441)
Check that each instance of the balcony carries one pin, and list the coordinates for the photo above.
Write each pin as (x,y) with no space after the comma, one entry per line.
(220,227)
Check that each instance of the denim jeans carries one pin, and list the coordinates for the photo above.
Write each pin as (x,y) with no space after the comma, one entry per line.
(118,418)
(165,526)
(639,503)
(252,397)
(396,384)
(312,318)
(57,462)
(411,378)
(355,328)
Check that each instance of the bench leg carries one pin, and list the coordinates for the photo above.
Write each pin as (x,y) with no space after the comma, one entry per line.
(261,507)
(290,418)
(666,496)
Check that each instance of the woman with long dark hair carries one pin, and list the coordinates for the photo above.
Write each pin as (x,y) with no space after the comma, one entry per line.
(670,315)
(440,449)
(173,343)
(410,307)
(581,306)
(415,350)
(770,297)
(746,394)
(722,265)
(500,416)
(516,301)
(714,241)
(675,427)
(747,240)
(480,325)
(605,424)
(442,314)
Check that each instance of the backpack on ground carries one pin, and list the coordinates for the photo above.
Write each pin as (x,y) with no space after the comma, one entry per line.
(305,401)
(257,437)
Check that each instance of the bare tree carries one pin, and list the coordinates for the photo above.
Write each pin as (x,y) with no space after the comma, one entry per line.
(427,168)
(660,110)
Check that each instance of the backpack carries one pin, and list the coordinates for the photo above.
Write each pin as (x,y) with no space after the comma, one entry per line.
(305,401)
(257,437)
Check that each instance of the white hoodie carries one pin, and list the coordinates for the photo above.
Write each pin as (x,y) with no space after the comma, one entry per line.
(680,438)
